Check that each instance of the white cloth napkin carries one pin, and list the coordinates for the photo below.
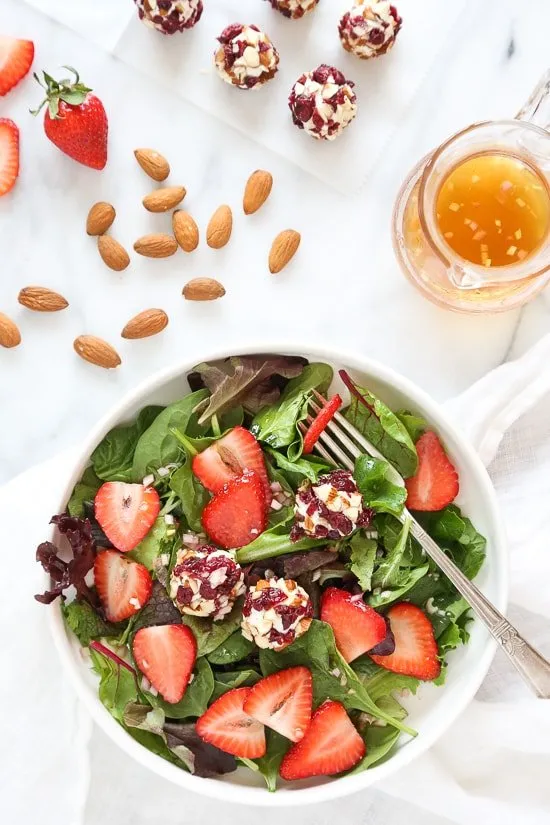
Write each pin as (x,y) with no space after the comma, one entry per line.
(494,762)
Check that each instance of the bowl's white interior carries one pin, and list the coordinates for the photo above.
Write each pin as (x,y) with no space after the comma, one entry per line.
(433,709)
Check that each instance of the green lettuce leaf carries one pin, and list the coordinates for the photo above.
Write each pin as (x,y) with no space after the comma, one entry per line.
(414,424)
(234,649)
(362,559)
(275,542)
(84,492)
(160,539)
(378,492)
(210,634)
(86,624)
(231,679)
(269,764)
(196,698)
(112,459)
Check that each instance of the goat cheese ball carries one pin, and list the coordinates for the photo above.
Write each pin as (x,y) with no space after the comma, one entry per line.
(169,16)
(369,28)
(276,612)
(332,508)
(323,103)
(206,581)
(294,8)
(246,57)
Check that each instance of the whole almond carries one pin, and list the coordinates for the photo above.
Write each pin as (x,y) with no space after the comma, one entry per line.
(40,299)
(203,289)
(257,190)
(156,246)
(153,163)
(9,332)
(186,230)
(100,217)
(283,249)
(220,227)
(113,253)
(147,323)
(96,351)
(161,200)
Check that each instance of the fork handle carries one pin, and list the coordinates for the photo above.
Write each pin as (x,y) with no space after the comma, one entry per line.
(533,667)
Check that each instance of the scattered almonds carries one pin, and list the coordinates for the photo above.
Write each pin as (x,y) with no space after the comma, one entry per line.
(185,230)
(113,253)
(100,218)
(153,163)
(161,200)
(9,332)
(220,227)
(257,190)
(283,249)
(96,351)
(40,299)
(203,289)
(158,245)
(147,323)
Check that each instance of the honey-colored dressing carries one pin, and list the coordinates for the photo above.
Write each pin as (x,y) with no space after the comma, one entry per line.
(493,209)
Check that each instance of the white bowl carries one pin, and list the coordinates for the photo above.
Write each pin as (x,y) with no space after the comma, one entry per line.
(434,709)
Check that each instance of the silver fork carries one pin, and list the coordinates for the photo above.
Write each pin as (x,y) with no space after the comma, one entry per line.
(340,444)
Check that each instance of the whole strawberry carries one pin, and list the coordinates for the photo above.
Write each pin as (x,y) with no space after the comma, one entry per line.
(75,120)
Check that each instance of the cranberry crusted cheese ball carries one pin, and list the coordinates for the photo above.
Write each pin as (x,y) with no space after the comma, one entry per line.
(369,28)
(332,508)
(206,581)
(293,8)
(323,103)
(276,612)
(169,16)
(246,57)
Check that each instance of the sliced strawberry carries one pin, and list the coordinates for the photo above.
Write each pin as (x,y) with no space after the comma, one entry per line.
(9,155)
(320,422)
(166,655)
(282,701)
(415,645)
(435,484)
(331,745)
(124,586)
(126,512)
(236,515)
(16,58)
(228,727)
(233,455)
(357,627)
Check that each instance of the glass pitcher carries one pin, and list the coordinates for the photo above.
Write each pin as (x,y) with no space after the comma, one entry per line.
(426,257)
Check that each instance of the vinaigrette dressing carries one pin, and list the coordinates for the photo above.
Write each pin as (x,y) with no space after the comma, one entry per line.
(493,209)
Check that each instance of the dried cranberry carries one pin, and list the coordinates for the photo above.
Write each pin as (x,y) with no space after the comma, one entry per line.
(230,32)
(321,532)
(338,99)
(184,595)
(365,517)
(376,37)
(254,28)
(340,522)
(250,82)
(289,615)
(269,597)
(341,480)
(164,5)
(207,591)
(229,55)
(297,532)
(281,639)
(397,18)
(318,121)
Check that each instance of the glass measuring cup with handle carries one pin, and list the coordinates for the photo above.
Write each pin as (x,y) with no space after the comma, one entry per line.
(428,260)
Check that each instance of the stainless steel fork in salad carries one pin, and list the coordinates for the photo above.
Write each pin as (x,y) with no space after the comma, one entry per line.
(341,444)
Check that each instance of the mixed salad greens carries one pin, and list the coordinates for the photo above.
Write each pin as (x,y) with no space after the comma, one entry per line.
(250,604)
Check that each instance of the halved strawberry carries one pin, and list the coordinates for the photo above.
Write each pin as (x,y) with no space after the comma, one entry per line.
(331,745)
(233,455)
(282,701)
(9,155)
(228,727)
(415,645)
(166,655)
(435,484)
(357,626)
(16,58)
(236,515)
(320,422)
(124,586)
(126,512)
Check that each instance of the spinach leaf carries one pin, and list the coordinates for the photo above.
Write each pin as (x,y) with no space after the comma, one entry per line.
(192,495)
(269,764)
(86,624)
(377,490)
(333,678)
(209,634)
(158,446)
(85,491)
(232,650)
(382,427)
(379,742)
(277,425)
(414,424)
(117,685)
(228,680)
(274,542)
(362,559)
(112,459)
(158,540)
(196,698)
(244,380)
(309,467)
(404,581)
(380,682)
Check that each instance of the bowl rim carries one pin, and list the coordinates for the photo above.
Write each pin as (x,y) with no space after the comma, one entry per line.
(222,789)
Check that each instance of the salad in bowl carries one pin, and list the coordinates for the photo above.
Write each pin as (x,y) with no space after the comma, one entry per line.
(243,603)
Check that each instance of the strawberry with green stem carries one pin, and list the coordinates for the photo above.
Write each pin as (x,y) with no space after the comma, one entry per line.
(75,119)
